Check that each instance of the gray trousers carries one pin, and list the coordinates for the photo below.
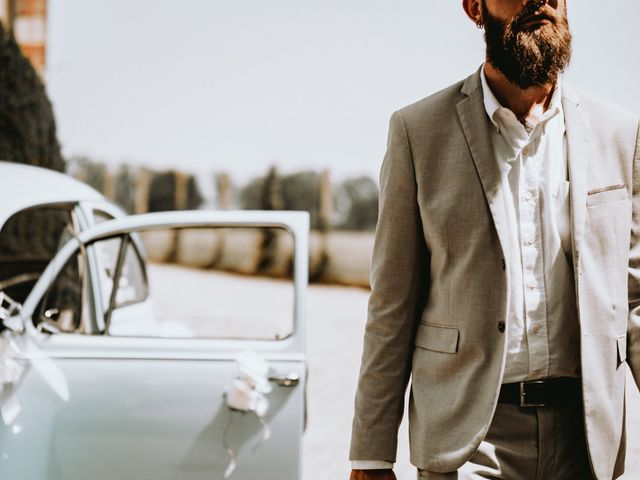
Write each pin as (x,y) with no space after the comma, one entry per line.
(545,443)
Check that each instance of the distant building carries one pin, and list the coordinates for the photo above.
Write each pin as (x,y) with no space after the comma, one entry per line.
(28,20)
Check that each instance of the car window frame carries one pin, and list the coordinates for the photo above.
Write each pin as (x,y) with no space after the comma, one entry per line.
(112,212)
(127,242)
(297,223)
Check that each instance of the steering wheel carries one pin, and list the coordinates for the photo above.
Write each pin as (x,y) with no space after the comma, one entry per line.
(8,305)
(18,279)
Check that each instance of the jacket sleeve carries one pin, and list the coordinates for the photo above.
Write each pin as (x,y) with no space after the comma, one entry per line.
(633,331)
(399,285)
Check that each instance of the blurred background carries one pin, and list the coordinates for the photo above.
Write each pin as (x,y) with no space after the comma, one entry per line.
(204,104)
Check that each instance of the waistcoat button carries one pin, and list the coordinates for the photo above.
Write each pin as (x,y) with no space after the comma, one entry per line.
(501,327)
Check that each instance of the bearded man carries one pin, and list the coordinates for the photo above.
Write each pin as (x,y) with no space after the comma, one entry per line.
(506,269)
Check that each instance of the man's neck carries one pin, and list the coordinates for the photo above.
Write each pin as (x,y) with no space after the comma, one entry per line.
(528,105)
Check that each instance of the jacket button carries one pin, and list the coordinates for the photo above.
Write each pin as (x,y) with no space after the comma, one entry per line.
(501,327)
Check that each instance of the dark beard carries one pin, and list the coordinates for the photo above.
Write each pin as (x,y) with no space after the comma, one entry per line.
(528,57)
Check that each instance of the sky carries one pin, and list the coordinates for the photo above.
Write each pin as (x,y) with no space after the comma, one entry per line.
(236,86)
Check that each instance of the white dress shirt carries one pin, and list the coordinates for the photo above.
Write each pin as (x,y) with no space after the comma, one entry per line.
(542,328)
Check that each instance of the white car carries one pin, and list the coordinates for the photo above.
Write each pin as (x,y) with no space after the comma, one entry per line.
(94,385)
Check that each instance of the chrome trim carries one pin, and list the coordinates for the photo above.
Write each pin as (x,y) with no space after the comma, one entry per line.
(289,380)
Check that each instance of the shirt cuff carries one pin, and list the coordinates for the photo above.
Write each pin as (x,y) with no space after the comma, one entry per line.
(370,465)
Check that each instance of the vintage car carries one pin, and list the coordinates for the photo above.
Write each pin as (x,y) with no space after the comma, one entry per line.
(95,384)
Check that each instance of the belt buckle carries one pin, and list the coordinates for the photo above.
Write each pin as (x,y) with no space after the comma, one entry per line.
(523,395)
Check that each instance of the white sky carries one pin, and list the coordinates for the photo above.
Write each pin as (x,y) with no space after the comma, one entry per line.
(239,85)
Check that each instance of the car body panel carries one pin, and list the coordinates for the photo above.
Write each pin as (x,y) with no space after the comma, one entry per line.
(159,419)
(24,186)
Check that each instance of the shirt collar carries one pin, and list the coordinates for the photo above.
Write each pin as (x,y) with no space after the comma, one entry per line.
(492,105)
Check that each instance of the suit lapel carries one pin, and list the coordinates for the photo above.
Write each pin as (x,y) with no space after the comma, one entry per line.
(578,139)
(476,128)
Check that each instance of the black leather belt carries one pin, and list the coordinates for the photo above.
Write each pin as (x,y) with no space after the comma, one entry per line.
(551,392)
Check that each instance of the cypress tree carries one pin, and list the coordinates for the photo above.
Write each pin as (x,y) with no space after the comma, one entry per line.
(27,124)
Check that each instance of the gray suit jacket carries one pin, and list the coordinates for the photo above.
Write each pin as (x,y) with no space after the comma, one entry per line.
(439,284)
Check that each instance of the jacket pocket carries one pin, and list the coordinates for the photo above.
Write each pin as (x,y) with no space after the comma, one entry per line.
(612,193)
(438,338)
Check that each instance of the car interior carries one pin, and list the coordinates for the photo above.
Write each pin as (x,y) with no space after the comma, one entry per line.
(28,242)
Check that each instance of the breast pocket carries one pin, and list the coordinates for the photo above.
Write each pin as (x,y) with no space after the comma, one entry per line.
(605,195)
(606,241)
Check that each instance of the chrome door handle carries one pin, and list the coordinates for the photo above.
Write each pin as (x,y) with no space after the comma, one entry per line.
(290,380)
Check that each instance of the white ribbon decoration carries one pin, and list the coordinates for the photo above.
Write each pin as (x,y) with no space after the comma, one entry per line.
(17,345)
(247,393)
(10,373)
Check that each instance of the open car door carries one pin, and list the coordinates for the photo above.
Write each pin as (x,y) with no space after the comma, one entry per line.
(147,363)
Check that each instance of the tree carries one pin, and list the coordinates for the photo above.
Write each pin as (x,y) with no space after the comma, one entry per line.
(125,188)
(357,204)
(251,195)
(194,196)
(86,170)
(27,124)
(162,192)
(301,191)
(297,191)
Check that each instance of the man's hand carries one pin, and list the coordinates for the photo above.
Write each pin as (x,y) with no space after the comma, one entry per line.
(372,475)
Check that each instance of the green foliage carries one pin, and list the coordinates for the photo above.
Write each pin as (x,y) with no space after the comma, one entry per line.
(86,170)
(162,192)
(301,191)
(125,188)
(27,124)
(356,204)
(250,196)
(194,197)
(271,198)
(162,188)
(297,191)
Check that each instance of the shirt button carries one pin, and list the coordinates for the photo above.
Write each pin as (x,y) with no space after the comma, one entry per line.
(531,241)
(501,327)
(528,196)
(533,284)
(535,329)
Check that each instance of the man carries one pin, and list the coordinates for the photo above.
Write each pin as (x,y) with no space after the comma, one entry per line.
(506,269)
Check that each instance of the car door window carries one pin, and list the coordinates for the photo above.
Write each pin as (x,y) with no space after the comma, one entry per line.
(66,305)
(100,216)
(216,282)
(222,283)
(119,261)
